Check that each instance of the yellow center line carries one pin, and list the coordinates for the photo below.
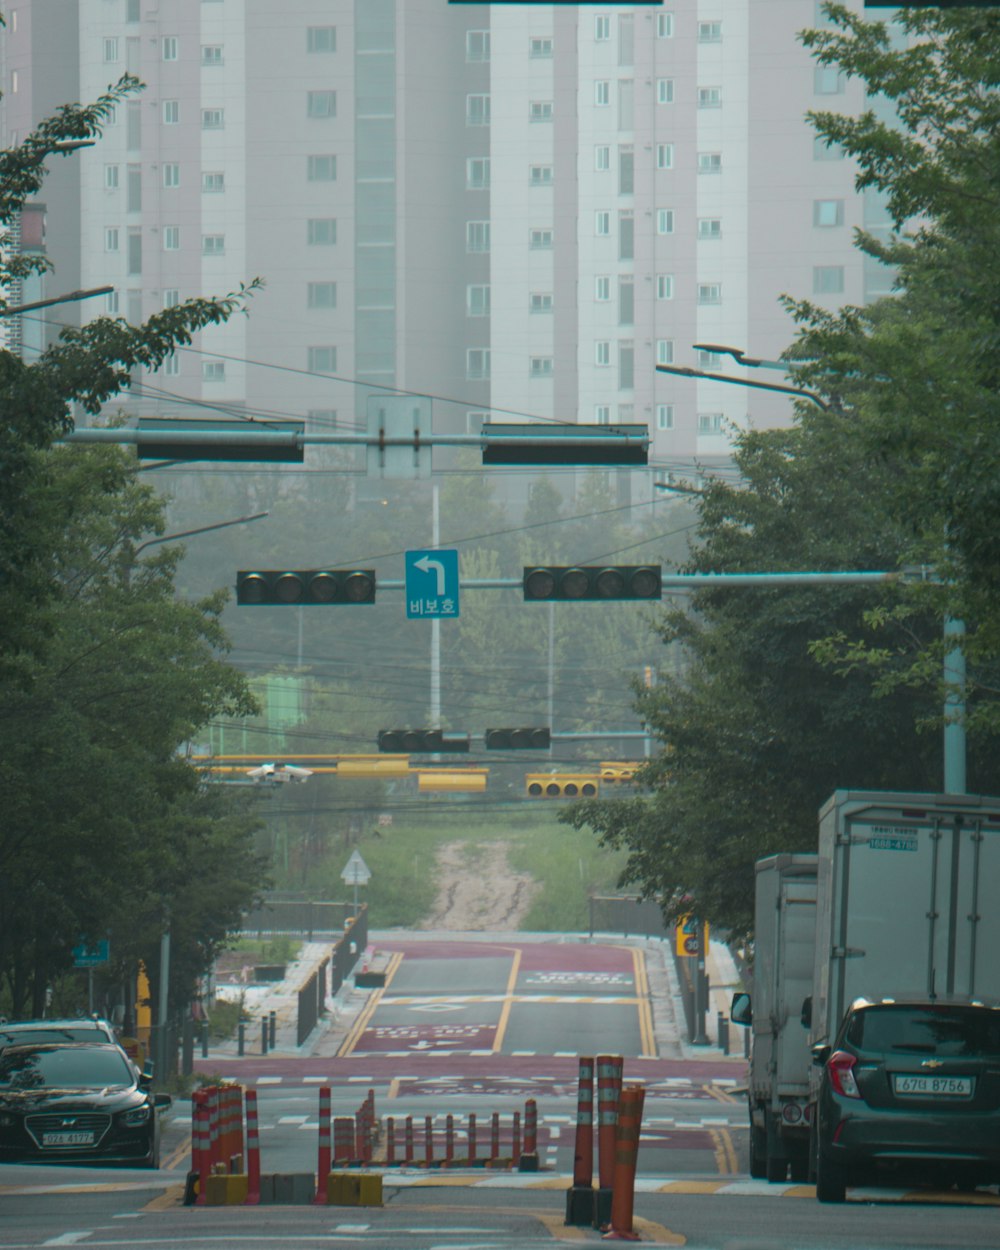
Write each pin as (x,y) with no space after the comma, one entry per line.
(646,1033)
(725,1153)
(393,1088)
(179,1153)
(357,1029)
(515,966)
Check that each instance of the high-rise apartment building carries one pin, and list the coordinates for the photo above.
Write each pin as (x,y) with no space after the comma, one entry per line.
(513,209)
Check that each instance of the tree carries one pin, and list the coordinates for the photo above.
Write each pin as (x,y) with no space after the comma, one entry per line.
(104,673)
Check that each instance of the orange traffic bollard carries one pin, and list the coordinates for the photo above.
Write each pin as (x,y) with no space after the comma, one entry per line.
(253,1150)
(580,1196)
(626,1161)
(323,1160)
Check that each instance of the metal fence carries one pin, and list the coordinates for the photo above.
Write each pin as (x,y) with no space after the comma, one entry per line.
(628,915)
(298,917)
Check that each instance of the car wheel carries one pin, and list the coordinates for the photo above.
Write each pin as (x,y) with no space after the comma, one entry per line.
(758,1153)
(831,1178)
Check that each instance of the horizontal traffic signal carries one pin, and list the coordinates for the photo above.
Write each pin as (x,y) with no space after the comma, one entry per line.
(417,741)
(305,586)
(539,739)
(591,582)
(619,771)
(562,785)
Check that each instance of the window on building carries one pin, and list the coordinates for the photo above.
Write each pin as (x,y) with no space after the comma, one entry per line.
(133,189)
(171,297)
(111,304)
(474,421)
(664,25)
(664,221)
(321,231)
(132,10)
(626,235)
(710,228)
(602,353)
(828,212)
(539,110)
(213,245)
(133,125)
(171,238)
(477,300)
(602,157)
(664,156)
(321,104)
(321,39)
(540,367)
(213,183)
(171,367)
(664,351)
(111,239)
(828,280)
(540,240)
(213,119)
(171,112)
(477,173)
(828,80)
(602,93)
(709,162)
(477,236)
(477,110)
(710,422)
(709,97)
(602,414)
(626,169)
(709,292)
(664,286)
(664,416)
(602,222)
(169,49)
(602,27)
(540,175)
(133,54)
(134,243)
(110,50)
(540,47)
(213,371)
(626,366)
(171,174)
(626,39)
(477,363)
(709,32)
(626,301)
(477,45)
(626,104)
(321,168)
(321,359)
(664,91)
(211,54)
(708,360)
(321,295)
(540,302)
(111,177)
(602,288)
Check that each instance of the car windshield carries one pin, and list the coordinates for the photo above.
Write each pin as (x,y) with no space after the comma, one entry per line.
(68,1067)
(59,1033)
(933,1030)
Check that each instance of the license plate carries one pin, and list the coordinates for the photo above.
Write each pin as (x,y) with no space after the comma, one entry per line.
(68,1139)
(934,1086)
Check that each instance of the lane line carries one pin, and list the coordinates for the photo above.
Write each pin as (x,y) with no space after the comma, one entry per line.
(647,1034)
(505,1010)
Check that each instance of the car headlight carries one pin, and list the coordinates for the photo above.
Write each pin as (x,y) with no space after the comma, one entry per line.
(135,1118)
(6,1120)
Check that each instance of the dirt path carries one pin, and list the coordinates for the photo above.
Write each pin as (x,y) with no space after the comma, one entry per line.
(477,889)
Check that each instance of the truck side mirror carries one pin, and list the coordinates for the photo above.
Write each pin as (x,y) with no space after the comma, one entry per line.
(807,1012)
(741,1010)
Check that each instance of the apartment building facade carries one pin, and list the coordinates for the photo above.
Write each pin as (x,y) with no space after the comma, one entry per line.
(516,210)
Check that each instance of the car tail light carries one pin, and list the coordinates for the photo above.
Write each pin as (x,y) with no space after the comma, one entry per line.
(840,1065)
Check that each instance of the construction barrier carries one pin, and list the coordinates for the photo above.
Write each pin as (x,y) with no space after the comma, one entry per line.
(325,1145)
(626,1162)
(343,1140)
(580,1196)
(253,1149)
(472,1140)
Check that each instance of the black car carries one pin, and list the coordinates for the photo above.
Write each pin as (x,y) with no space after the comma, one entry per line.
(77,1103)
(909,1088)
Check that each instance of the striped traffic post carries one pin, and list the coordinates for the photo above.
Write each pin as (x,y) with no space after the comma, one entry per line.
(626,1162)
(515,1139)
(494,1138)
(325,1145)
(343,1140)
(200,1160)
(580,1196)
(449,1140)
(428,1141)
(528,1162)
(609,1088)
(390,1141)
(253,1150)
(472,1139)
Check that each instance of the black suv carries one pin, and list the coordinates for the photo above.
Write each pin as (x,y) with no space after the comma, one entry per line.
(75,1029)
(910,1086)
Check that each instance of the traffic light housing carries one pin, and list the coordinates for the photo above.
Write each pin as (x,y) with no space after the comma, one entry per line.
(546,583)
(562,785)
(421,741)
(300,587)
(619,772)
(539,739)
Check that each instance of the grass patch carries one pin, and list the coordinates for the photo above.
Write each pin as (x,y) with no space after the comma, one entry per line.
(272,950)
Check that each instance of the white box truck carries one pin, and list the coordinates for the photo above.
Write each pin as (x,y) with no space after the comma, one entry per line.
(780,1060)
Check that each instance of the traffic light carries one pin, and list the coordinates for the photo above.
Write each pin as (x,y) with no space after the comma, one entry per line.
(562,785)
(305,586)
(518,739)
(618,771)
(421,741)
(592,581)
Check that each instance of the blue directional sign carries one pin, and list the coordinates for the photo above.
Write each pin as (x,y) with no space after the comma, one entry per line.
(431,583)
(91,954)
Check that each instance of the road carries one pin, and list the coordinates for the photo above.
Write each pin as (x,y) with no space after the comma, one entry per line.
(479,1028)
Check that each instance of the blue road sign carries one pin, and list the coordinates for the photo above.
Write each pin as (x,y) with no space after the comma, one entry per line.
(90,955)
(431,583)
